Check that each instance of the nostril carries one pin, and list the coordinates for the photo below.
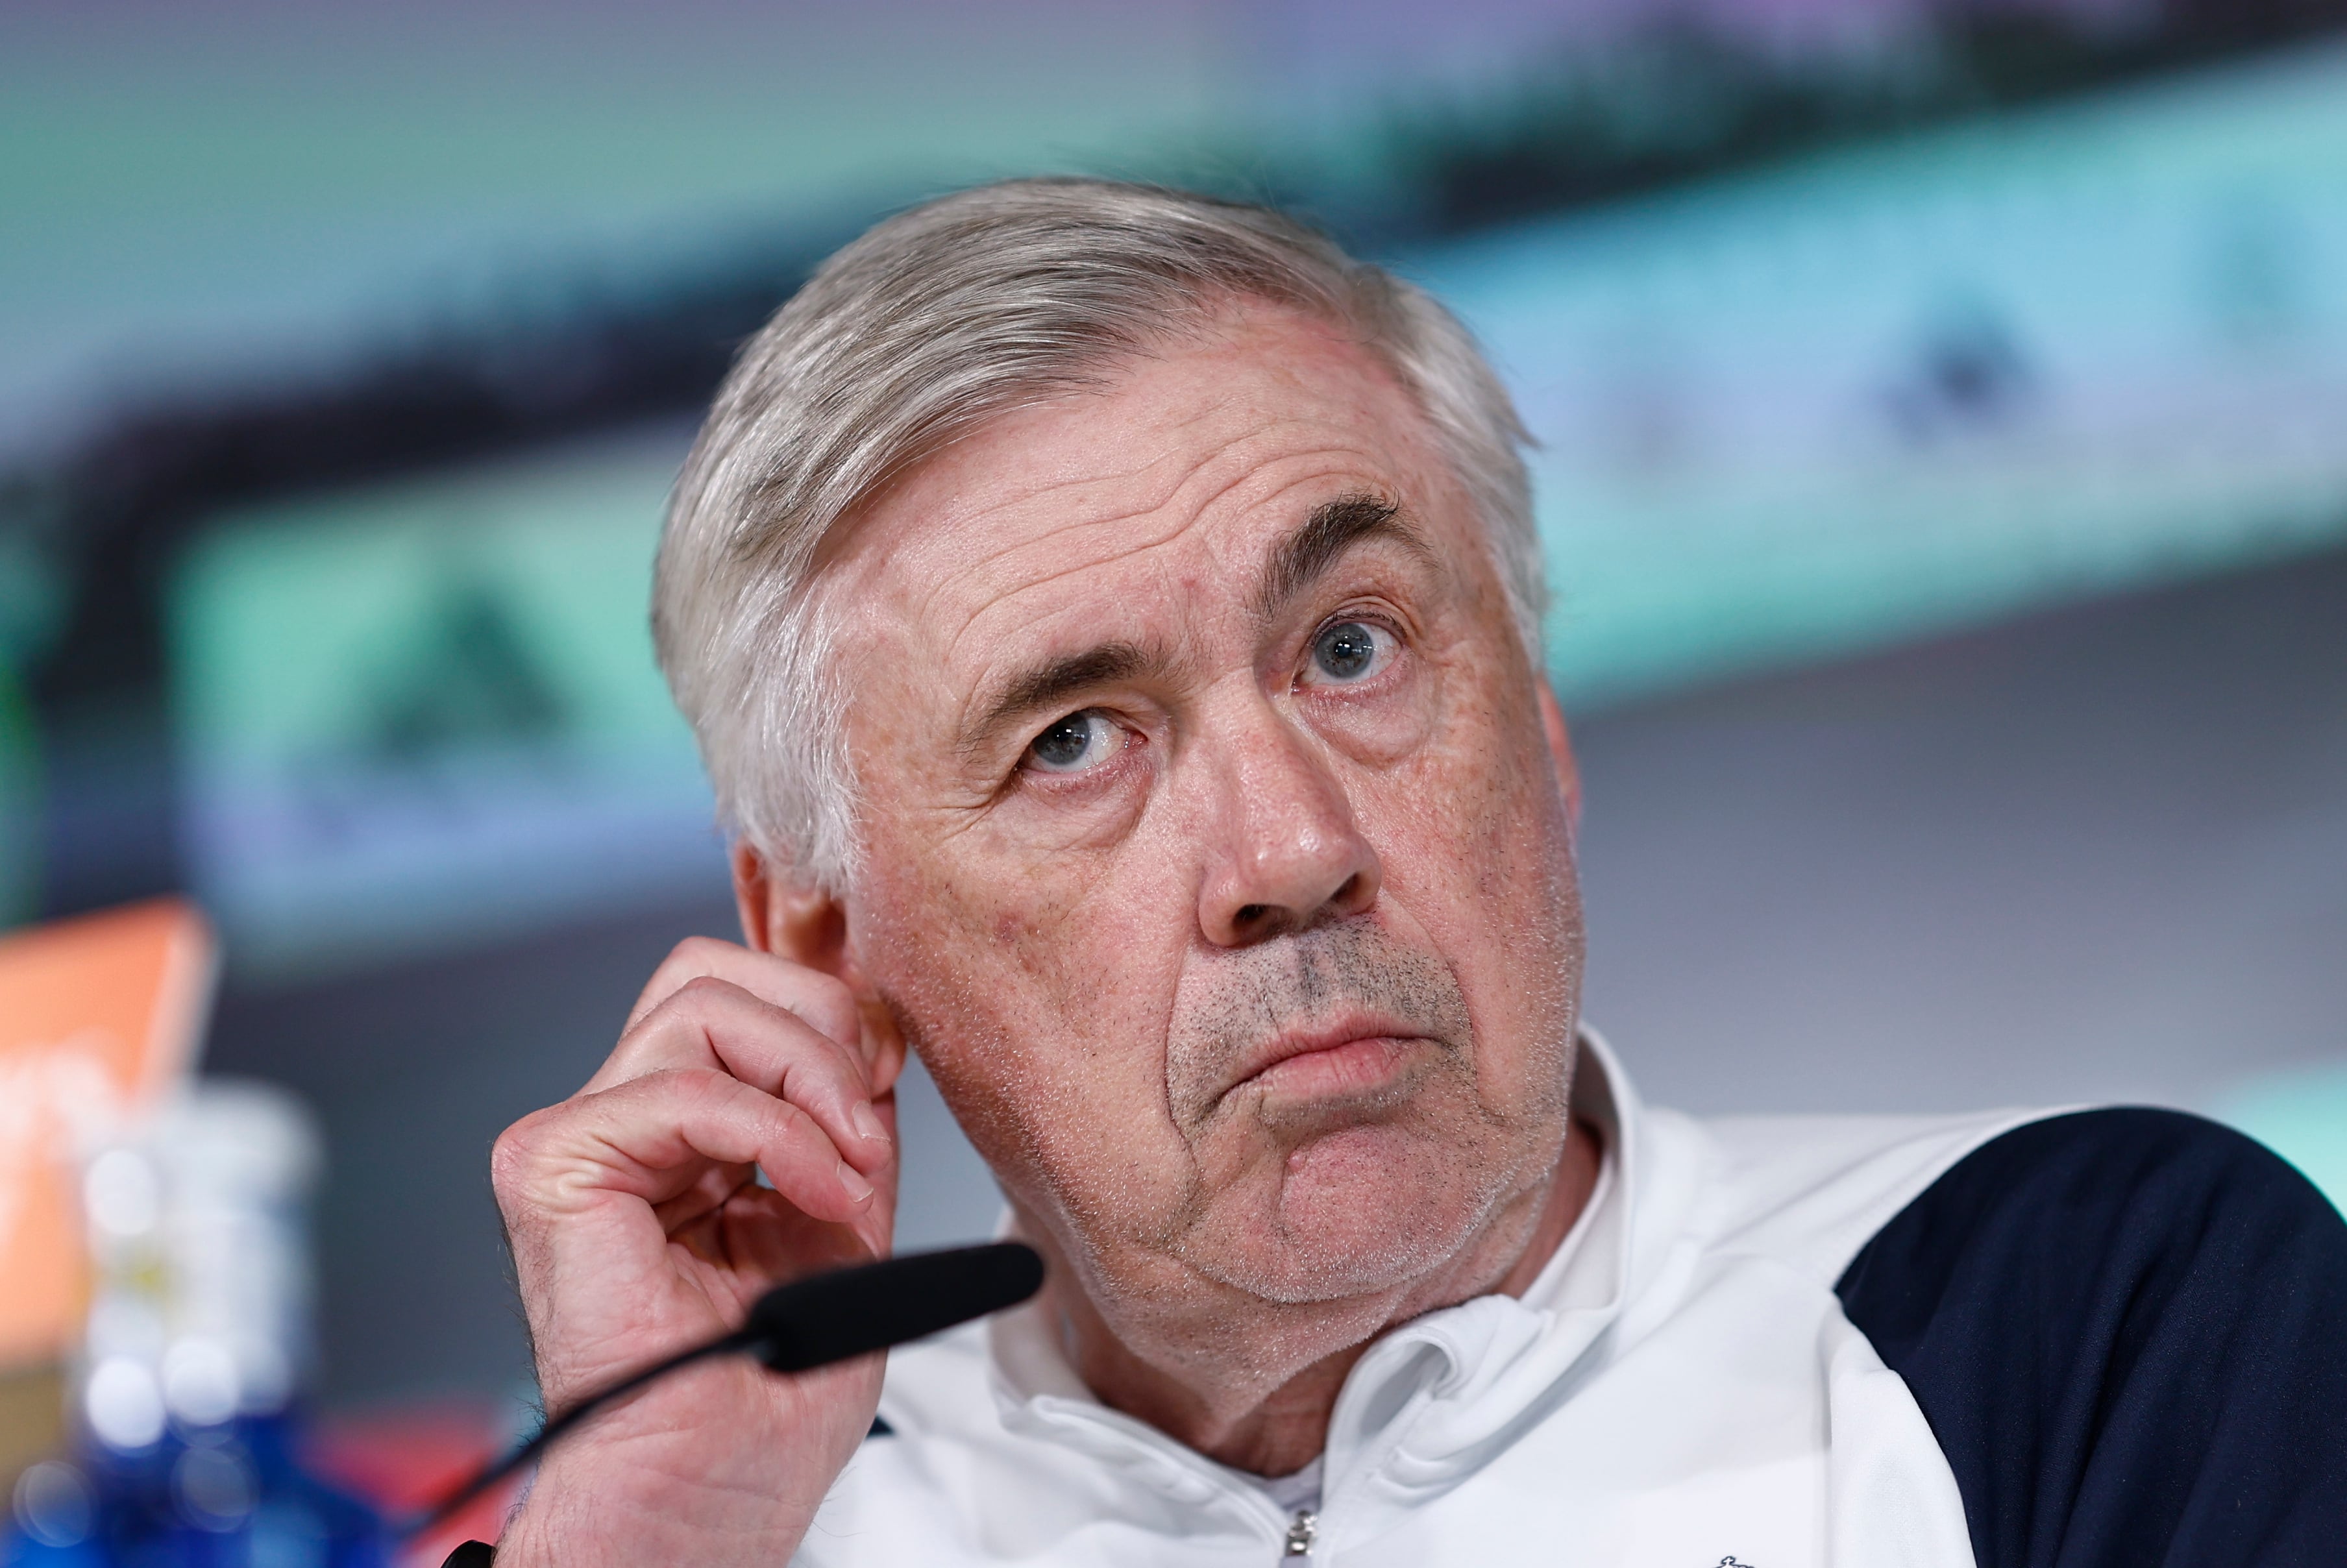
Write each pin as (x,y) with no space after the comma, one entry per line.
(1249,914)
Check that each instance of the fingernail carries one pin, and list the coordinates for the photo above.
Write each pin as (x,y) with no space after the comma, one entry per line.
(867,1122)
(858,1189)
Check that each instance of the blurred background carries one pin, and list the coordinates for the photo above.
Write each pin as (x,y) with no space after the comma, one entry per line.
(1943,411)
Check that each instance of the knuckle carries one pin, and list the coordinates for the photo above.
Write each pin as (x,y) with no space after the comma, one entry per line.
(700,952)
(696,1000)
(703,990)
(692,961)
(663,1081)
(514,1154)
(708,1086)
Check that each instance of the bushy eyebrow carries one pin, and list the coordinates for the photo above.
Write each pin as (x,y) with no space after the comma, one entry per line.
(1296,562)
(1335,527)
(1047,686)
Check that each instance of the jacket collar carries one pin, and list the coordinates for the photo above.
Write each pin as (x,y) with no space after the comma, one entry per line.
(1434,1399)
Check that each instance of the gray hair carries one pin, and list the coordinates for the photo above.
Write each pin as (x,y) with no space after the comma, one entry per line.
(930,324)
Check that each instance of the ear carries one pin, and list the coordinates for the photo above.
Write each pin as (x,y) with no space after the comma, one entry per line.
(787,917)
(1560,751)
(794,921)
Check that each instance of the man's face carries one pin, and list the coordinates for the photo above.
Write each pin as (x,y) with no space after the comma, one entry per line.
(1216,862)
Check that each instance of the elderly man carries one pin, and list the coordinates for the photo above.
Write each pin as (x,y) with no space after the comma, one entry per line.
(1111,620)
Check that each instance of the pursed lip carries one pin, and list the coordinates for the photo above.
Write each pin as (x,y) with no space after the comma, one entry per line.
(1329,1035)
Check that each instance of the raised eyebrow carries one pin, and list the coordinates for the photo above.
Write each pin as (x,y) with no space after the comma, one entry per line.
(1335,527)
(1047,686)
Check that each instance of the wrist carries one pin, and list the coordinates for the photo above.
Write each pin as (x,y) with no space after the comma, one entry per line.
(652,1489)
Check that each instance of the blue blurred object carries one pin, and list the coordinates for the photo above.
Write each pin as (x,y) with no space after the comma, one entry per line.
(232,1496)
(183,1402)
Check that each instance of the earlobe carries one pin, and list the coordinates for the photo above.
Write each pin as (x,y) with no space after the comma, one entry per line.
(1560,751)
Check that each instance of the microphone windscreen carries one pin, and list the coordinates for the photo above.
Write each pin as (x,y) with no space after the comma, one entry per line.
(828,1318)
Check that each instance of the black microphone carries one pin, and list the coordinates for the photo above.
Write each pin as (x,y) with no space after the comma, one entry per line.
(813,1322)
(828,1318)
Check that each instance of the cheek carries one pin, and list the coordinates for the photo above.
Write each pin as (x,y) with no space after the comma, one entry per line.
(1478,804)
(1387,728)
(1472,842)
(1039,1004)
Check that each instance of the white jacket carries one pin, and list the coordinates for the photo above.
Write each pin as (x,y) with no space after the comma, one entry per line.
(1679,1388)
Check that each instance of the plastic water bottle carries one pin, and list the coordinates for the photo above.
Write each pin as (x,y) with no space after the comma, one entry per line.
(183,1401)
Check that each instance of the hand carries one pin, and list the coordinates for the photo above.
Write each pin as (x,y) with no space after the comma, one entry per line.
(638,1228)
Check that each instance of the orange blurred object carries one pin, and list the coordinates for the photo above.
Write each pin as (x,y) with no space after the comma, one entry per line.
(99,1016)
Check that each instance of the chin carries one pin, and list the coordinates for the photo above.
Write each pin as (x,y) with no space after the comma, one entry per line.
(1361,1212)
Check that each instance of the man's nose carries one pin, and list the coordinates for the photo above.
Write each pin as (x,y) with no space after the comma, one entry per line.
(1288,854)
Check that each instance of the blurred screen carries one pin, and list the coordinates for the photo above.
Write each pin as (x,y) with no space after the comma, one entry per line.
(1845,402)
(428,711)
(1893,389)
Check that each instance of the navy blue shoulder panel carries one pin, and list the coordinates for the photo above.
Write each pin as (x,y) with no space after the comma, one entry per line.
(2129,1331)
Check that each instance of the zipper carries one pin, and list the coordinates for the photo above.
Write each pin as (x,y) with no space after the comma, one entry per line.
(1297,1541)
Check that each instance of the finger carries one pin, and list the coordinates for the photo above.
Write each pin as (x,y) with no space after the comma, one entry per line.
(710,1191)
(827,1004)
(655,1137)
(711,1024)
(758,1232)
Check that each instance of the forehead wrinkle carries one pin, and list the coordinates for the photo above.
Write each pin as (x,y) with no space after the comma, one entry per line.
(1187,518)
(954,572)
(1193,492)
(1235,449)
(1150,657)
(1165,497)
(1162,501)
(971,623)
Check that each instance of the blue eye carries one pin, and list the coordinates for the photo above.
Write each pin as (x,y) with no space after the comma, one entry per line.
(1076,743)
(1351,651)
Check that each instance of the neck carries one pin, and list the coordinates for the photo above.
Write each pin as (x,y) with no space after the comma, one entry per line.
(1260,1399)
